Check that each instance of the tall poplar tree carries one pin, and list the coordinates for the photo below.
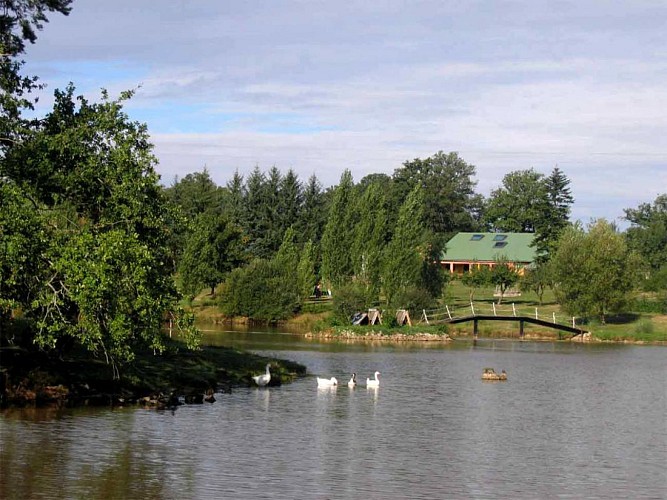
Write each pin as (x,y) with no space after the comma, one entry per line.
(370,237)
(338,237)
(404,256)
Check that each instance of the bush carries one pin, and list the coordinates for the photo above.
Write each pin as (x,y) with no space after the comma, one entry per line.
(643,305)
(259,292)
(644,327)
(349,300)
(413,299)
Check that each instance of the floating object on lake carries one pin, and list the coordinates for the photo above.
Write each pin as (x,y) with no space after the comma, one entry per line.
(264,379)
(373,382)
(490,374)
(327,382)
(353,381)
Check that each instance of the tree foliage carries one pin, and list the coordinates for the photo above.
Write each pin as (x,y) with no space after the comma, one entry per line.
(519,204)
(19,22)
(101,277)
(450,201)
(405,253)
(529,202)
(338,236)
(213,249)
(258,291)
(647,234)
(537,279)
(370,238)
(594,271)
(477,277)
(503,276)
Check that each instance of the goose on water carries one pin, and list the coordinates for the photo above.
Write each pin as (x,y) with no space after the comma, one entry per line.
(327,382)
(373,382)
(263,379)
(353,380)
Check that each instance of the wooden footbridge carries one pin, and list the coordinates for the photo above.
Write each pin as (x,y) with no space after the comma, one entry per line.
(493,312)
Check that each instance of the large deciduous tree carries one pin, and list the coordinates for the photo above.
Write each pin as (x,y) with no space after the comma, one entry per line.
(529,202)
(19,22)
(647,235)
(450,201)
(213,249)
(594,271)
(101,277)
(519,204)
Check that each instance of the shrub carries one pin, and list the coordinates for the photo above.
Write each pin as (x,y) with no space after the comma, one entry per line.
(349,300)
(258,291)
(644,327)
(414,299)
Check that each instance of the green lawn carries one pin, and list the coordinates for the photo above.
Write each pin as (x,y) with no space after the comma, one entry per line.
(632,326)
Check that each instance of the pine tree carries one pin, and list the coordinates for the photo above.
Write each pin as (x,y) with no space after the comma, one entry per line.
(556,213)
(291,200)
(312,217)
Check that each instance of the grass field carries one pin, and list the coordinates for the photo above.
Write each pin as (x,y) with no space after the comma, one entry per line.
(630,326)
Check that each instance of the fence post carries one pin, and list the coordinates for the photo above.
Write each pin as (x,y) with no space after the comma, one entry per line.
(513,309)
(574,323)
(448,313)
(554,316)
(472,308)
(536,313)
(425,317)
(494,308)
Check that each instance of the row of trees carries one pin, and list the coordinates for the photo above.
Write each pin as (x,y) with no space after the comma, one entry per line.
(382,234)
(366,236)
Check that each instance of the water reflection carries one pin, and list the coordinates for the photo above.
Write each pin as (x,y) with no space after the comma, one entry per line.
(263,397)
(571,421)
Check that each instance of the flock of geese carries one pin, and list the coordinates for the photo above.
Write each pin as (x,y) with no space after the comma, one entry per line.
(264,379)
(332,382)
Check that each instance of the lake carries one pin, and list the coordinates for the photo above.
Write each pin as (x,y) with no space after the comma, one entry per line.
(572,421)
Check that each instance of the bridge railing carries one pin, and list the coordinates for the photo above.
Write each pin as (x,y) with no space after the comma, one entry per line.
(447,313)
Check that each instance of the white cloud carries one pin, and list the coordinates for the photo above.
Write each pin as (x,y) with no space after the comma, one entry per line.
(320,87)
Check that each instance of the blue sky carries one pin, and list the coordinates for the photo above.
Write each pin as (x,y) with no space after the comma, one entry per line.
(366,85)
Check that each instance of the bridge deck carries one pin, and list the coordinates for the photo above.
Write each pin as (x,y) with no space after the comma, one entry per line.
(526,319)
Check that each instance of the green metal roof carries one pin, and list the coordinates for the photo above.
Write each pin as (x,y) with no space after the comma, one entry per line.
(482,247)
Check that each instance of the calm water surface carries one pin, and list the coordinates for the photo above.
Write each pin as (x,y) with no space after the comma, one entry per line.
(572,421)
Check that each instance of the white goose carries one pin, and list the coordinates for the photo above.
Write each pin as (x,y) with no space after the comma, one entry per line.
(263,379)
(353,380)
(373,382)
(327,382)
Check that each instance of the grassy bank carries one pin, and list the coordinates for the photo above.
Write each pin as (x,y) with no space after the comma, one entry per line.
(640,327)
(32,377)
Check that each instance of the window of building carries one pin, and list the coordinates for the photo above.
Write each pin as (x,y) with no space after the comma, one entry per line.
(500,237)
(500,244)
(476,237)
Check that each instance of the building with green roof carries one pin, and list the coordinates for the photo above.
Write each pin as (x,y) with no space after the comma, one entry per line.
(466,250)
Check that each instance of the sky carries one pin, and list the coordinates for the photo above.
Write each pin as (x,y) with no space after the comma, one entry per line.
(320,87)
